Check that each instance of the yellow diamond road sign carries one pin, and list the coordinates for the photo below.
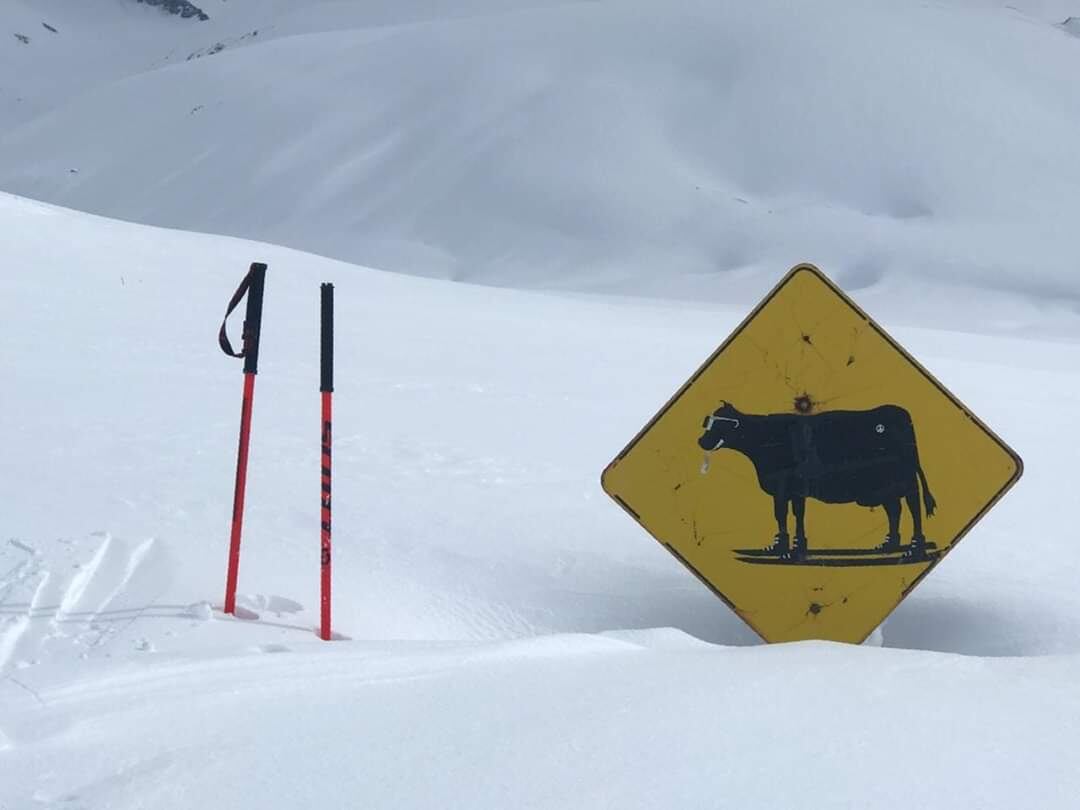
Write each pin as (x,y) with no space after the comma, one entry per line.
(811,472)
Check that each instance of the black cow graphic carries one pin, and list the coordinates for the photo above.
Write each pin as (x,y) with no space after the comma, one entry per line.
(864,457)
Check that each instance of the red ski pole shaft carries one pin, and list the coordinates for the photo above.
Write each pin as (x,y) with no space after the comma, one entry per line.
(326,386)
(252,328)
(238,494)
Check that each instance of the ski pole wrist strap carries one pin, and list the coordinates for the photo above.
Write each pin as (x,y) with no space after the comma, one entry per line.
(252,288)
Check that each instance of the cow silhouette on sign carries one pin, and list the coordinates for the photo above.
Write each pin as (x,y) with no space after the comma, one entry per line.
(864,457)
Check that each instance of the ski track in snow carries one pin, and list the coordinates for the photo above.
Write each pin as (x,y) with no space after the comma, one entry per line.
(77,595)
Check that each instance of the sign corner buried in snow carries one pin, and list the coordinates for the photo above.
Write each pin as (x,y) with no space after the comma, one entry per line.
(811,472)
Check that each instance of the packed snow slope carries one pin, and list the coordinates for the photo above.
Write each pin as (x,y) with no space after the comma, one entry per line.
(683,148)
(508,637)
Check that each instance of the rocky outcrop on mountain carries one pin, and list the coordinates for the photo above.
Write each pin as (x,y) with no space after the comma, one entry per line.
(180,7)
(218,47)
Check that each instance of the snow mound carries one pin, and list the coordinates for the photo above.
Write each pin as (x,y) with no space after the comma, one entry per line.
(618,727)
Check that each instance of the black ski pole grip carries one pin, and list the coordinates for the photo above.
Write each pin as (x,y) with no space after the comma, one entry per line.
(326,338)
(253,318)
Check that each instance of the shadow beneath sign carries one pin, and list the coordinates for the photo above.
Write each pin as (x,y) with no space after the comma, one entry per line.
(965,627)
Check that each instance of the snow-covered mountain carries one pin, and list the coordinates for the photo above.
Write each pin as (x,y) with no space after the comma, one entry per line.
(923,151)
(625,178)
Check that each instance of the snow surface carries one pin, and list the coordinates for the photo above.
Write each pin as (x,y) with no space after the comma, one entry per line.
(507,637)
(510,638)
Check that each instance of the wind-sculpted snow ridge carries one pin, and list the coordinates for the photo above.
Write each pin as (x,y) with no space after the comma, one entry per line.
(612,146)
(566,721)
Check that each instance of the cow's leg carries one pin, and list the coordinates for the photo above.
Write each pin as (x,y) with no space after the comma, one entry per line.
(892,539)
(798,506)
(918,539)
(780,542)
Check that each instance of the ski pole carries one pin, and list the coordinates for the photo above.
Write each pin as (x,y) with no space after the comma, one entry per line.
(326,386)
(252,286)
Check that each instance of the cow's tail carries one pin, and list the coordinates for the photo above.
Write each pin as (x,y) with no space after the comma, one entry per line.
(928,500)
